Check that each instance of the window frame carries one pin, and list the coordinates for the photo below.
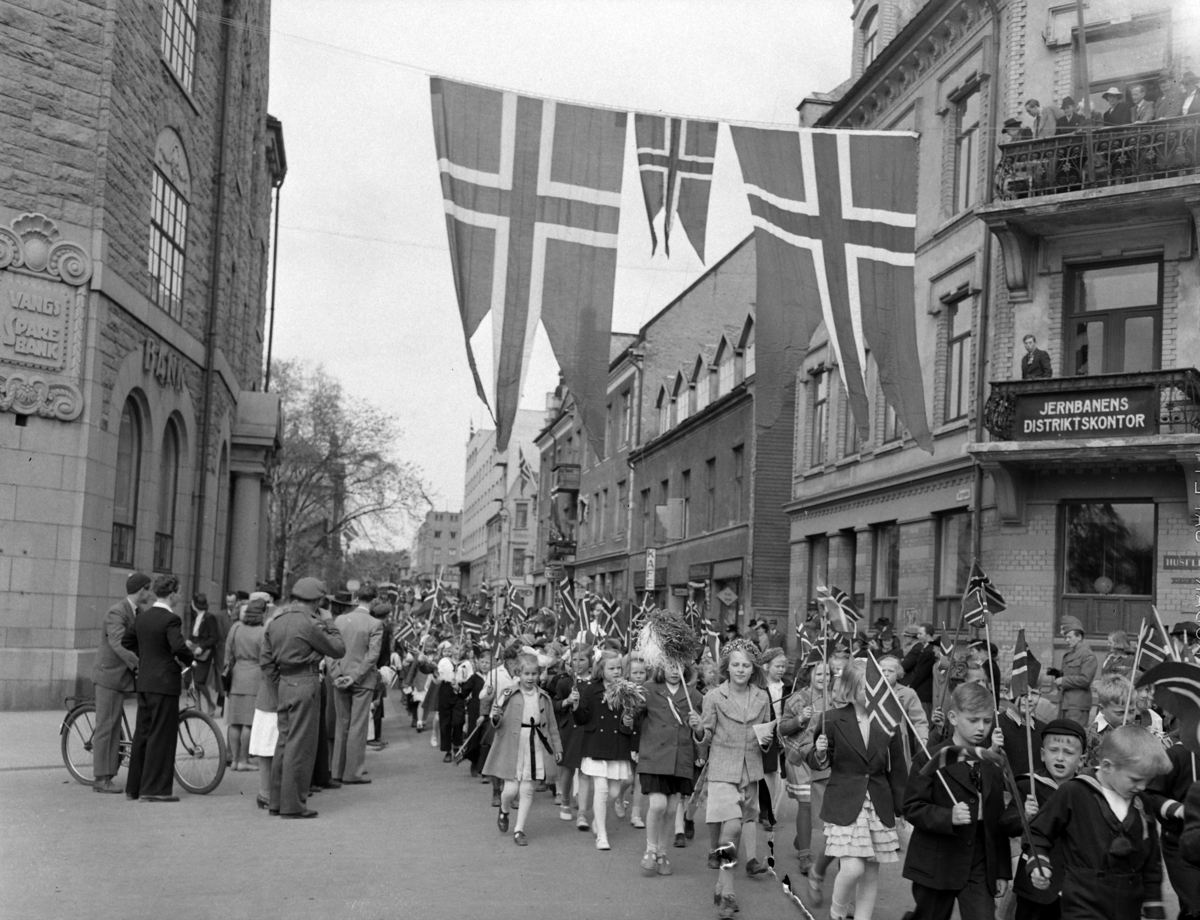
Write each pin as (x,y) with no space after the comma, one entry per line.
(946,604)
(166,253)
(818,429)
(168,498)
(966,191)
(870,37)
(885,604)
(1113,319)
(123,547)
(963,345)
(739,476)
(178,40)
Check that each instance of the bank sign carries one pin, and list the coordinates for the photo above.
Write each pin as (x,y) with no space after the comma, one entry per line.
(1091,414)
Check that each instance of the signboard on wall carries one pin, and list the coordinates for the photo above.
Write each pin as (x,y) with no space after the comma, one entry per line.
(651,561)
(1117,413)
(727,596)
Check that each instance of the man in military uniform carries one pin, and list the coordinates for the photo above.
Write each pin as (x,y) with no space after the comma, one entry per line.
(1079,666)
(294,643)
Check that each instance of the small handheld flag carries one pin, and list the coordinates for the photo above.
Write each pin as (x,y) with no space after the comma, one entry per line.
(981,598)
(883,708)
(952,754)
(1025,668)
(838,608)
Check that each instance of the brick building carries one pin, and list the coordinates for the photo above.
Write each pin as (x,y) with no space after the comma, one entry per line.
(1083,240)
(435,548)
(135,198)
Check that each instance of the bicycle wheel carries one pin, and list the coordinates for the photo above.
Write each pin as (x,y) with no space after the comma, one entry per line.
(200,753)
(77,730)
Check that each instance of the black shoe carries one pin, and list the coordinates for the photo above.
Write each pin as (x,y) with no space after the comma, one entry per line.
(273,812)
(333,784)
(689,828)
(446,758)
(519,839)
(160,798)
(680,841)
(502,821)
(754,868)
(307,813)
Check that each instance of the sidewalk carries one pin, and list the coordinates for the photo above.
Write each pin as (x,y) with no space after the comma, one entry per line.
(31,739)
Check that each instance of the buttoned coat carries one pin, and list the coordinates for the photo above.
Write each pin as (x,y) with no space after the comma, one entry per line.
(1079,666)
(115,664)
(667,747)
(734,750)
(363,635)
(876,768)
(604,735)
(502,758)
(157,639)
(1035,365)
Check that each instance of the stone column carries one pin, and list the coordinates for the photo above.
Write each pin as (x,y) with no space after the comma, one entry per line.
(264,531)
(244,530)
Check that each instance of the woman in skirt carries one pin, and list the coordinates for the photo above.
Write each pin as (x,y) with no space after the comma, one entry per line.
(867,775)
(243,646)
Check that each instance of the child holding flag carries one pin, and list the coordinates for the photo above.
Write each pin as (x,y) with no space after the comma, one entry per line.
(867,775)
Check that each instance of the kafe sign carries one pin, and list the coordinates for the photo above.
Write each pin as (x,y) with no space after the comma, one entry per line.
(43,310)
(1091,414)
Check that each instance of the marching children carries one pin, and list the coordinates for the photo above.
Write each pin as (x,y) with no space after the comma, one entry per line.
(731,711)
(798,713)
(668,723)
(958,851)
(1062,753)
(639,674)
(1165,796)
(606,747)
(866,784)
(572,740)
(1112,866)
(1111,691)
(525,733)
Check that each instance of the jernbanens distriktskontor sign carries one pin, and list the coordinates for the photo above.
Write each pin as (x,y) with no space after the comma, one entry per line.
(1098,414)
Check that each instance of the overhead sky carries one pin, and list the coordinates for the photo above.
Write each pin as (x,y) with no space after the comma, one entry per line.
(364,270)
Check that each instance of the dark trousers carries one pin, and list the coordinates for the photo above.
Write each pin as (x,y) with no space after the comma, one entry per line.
(1185,879)
(1031,910)
(296,749)
(321,774)
(106,736)
(152,762)
(377,718)
(451,734)
(975,901)
(766,812)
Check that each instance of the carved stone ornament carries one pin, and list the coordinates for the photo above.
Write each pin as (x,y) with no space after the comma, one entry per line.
(43,310)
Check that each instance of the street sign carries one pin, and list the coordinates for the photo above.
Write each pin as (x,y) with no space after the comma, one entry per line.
(651,561)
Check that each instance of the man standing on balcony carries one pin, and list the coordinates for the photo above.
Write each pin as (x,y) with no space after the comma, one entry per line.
(1119,111)
(1070,121)
(1143,108)
(1179,98)
(1045,120)
(1035,363)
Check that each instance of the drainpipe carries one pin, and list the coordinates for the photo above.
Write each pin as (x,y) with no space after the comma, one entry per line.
(985,293)
(214,279)
(274,275)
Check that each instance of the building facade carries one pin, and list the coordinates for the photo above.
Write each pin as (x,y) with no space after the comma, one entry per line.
(1082,239)
(135,197)
(435,548)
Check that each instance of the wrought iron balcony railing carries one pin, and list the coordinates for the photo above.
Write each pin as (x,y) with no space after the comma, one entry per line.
(1098,157)
(564,478)
(1104,405)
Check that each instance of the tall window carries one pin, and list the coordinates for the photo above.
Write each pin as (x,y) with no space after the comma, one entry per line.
(125,493)
(522,517)
(953,565)
(682,399)
(1115,318)
(700,384)
(518,560)
(687,502)
(748,357)
(725,368)
(647,509)
(179,38)
(739,473)
(852,444)
(958,360)
(818,567)
(870,34)
(168,485)
(622,508)
(886,594)
(664,411)
(710,484)
(820,416)
(608,429)
(892,430)
(1108,564)
(604,514)
(168,237)
(966,151)
(626,417)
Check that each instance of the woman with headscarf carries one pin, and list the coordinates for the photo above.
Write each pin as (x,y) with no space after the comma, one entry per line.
(242,648)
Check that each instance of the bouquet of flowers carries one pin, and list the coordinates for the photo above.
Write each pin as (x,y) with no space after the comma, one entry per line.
(624,695)
(666,638)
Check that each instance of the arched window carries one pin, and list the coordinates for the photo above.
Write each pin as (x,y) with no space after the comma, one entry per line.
(664,410)
(870,37)
(125,492)
(682,402)
(747,346)
(168,487)
(725,367)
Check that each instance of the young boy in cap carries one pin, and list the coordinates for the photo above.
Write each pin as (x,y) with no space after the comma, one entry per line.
(1062,747)
(1112,867)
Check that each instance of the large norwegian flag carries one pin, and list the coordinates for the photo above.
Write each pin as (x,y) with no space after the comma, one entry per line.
(675,160)
(835,221)
(532,191)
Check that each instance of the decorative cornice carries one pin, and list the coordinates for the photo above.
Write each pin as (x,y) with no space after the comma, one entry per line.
(30,394)
(32,244)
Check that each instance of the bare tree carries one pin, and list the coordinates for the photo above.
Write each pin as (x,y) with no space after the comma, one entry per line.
(337,476)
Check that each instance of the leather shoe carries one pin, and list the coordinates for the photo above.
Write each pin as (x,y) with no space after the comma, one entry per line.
(333,784)
(132,798)
(106,786)
(273,812)
(502,821)
(446,759)
(307,813)
(160,798)
(355,782)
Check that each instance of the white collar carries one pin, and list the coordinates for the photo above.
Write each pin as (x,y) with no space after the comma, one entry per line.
(159,602)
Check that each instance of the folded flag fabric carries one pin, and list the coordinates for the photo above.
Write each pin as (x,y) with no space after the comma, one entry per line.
(1153,647)
(952,754)
(981,598)
(839,611)
(1025,668)
(1177,690)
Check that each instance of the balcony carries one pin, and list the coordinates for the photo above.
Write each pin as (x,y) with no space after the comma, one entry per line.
(564,478)
(1126,179)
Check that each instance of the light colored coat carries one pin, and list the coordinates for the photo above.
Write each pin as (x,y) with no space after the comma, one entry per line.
(733,747)
(115,664)
(502,759)
(363,635)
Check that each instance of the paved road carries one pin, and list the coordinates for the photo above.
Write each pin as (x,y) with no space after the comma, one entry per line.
(419,842)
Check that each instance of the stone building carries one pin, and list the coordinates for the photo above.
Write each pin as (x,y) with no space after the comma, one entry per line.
(435,548)
(1081,237)
(136,177)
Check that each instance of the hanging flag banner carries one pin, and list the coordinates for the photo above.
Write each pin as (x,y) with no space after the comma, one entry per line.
(834,216)
(675,160)
(532,191)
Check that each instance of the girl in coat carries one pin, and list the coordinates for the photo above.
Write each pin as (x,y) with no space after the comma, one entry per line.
(606,742)
(525,746)
(731,712)
(576,674)
(640,675)
(809,788)
(866,788)
(668,724)
(770,789)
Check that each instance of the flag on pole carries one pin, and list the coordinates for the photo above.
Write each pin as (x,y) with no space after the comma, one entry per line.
(1153,647)
(532,191)
(526,476)
(1025,668)
(980,598)
(1177,690)
(883,708)
(834,216)
(839,611)
(566,597)
(1165,635)
(675,161)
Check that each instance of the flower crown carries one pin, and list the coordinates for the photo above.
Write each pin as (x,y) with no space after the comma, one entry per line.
(745,646)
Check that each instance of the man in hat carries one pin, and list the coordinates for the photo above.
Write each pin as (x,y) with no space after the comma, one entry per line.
(918,665)
(1184,636)
(355,676)
(160,646)
(1079,666)
(1070,121)
(1178,98)
(294,643)
(1119,111)
(113,677)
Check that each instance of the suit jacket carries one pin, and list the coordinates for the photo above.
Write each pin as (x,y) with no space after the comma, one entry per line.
(730,734)
(940,853)
(157,639)
(363,635)
(1035,364)
(1143,111)
(115,664)
(856,770)
(1119,114)
(1046,124)
(918,670)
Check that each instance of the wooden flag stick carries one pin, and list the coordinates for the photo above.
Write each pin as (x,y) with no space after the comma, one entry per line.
(1133,675)
(1166,638)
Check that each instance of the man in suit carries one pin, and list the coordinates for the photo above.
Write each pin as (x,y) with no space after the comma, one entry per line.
(294,643)
(1071,121)
(113,677)
(1045,120)
(1179,98)
(159,644)
(354,678)
(1035,363)
(1142,108)
(918,666)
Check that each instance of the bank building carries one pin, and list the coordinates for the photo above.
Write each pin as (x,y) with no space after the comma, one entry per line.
(137,173)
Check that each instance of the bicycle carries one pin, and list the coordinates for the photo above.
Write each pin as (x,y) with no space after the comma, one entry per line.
(200,751)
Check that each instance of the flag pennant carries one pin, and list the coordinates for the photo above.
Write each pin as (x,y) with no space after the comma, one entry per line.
(566,597)
(883,708)
(1025,668)
(980,599)
(532,195)
(839,611)
(834,215)
(1177,690)
(675,161)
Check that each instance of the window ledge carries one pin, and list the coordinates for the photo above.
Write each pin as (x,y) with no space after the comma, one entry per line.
(890,446)
(179,83)
(959,424)
(947,227)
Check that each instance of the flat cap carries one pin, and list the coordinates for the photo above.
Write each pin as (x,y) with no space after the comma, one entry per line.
(135,582)
(1066,727)
(309,589)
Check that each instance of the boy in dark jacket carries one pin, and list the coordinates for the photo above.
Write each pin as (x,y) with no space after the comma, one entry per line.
(1165,797)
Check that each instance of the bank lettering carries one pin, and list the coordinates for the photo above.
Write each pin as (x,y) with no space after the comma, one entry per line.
(33,327)
(162,363)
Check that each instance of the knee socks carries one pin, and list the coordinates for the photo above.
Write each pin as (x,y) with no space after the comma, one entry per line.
(523,802)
